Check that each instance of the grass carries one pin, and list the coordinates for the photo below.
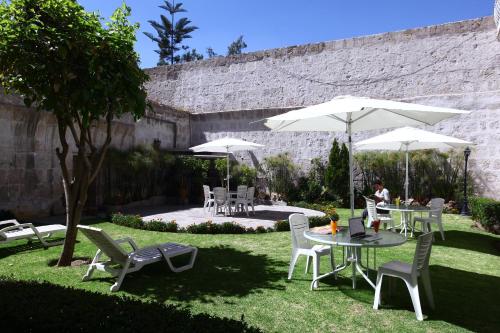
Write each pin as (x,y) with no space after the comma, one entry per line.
(237,275)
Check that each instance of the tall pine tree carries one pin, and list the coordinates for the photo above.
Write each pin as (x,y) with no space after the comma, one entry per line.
(171,34)
(337,173)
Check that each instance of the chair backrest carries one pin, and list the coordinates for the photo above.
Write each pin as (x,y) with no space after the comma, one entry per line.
(105,243)
(422,252)
(251,193)
(372,210)
(298,224)
(437,205)
(241,191)
(206,191)
(220,195)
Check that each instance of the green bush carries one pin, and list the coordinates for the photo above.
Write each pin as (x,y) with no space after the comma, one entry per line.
(487,212)
(159,225)
(131,221)
(337,173)
(214,228)
(84,311)
(281,175)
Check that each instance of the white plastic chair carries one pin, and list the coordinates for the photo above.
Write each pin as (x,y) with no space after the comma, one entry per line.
(373,215)
(435,216)
(241,198)
(122,262)
(221,201)
(302,246)
(410,273)
(251,198)
(209,201)
(15,230)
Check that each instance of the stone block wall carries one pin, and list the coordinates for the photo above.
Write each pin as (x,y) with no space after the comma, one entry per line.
(455,65)
(30,177)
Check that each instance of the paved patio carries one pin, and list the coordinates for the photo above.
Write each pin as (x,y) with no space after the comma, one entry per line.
(265,215)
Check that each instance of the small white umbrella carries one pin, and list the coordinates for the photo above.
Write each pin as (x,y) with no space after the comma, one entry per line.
(354,114)
(408,139)
(226,145)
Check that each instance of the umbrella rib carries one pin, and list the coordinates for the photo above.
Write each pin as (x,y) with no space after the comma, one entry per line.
(364,115)
(337,118)
(406,116)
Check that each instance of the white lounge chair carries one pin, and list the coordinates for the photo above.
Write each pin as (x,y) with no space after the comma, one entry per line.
(410,273)
(129,262)
(15,230)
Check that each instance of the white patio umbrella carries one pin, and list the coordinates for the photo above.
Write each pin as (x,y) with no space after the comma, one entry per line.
(408,139)
(226,145)
(354,114)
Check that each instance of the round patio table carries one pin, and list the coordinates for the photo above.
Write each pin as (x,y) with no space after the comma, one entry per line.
(406,214)
(354,246)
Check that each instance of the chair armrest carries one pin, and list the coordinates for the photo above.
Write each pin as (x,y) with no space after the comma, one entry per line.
(7,222)
(18,227)
(127,240)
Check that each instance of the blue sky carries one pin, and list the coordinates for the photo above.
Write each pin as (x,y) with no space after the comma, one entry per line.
(269,24)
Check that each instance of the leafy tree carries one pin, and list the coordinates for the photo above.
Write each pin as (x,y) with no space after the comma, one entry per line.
(61,59)
(337,172)
(171,34)
(235,47)
(211,53)
(191,56)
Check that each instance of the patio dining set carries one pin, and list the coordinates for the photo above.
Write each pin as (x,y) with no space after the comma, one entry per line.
(220,200)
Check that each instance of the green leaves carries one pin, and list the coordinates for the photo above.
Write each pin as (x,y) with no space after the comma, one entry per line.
(64,60)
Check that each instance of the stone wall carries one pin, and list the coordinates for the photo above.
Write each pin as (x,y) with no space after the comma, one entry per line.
(455,65)
(30,177)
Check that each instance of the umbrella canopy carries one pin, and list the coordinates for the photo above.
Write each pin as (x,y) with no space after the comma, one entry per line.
(226,145)
(409,138)
(354,114)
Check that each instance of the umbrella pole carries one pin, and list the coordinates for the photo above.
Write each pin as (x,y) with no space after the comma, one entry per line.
(351,183)
(227,164)
(406,179)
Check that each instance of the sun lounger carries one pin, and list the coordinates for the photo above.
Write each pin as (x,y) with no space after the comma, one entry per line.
(13,230)
(129,262)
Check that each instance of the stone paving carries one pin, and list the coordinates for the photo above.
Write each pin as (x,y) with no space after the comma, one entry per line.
(265,215)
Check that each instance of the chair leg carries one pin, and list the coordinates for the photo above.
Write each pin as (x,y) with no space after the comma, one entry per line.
(415,299)
(183,268)
(316,263)
(293,261)
(426,281)
(308,264)
(376,299)
(124,271)
(440,225)
(246,208)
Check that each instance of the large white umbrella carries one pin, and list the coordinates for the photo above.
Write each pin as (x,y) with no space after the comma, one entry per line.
(226,145)
(407,139)
(354,114)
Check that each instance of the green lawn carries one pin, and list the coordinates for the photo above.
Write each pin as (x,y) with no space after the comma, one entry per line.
(246,274)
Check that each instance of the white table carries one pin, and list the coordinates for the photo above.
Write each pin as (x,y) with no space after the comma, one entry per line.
(406,214)
(354,246)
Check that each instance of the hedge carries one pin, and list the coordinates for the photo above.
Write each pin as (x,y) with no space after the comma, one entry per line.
(29,306)
(487,212)
(136,222)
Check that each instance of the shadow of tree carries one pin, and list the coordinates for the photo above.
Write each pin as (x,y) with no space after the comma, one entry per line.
(465,299)
(32,306)
(25,246)
(478,242)
(218,271)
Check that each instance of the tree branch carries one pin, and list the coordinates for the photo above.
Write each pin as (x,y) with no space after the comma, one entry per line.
(99,159)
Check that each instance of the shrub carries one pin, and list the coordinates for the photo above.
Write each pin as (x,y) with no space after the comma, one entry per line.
(244,175)
(487,212)
(337,173)
(102,313)
(131,221)
(314,221)
(159,225)
(214,228)
(281,175)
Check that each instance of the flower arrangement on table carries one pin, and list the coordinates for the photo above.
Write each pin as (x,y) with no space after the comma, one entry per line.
(334,217)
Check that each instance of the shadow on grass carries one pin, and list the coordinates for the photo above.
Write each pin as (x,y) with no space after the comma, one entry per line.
(24,246)
(44,307)
(218,272)
(465,299)
(478,242)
